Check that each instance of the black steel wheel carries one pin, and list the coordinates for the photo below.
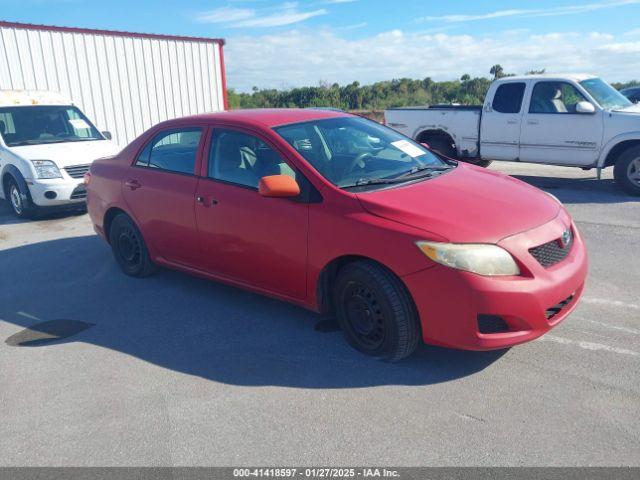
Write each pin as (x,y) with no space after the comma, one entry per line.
(129,248)
(375,311)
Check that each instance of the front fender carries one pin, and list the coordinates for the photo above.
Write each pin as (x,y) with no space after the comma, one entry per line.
(17,175)
(610,145)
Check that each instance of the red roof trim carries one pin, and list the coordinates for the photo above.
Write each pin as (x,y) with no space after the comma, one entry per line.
(223,74)
(115,33)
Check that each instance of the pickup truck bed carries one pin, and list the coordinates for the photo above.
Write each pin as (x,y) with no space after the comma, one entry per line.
(425,124)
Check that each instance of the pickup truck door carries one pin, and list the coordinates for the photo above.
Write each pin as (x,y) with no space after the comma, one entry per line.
(552,132)
(500,122)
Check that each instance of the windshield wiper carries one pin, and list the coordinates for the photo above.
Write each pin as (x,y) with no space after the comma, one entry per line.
(35,142)
(422,168)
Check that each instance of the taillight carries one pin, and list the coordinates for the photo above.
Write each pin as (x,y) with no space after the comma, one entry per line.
(87,178)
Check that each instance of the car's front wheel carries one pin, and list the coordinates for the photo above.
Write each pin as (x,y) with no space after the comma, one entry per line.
(627,171)
(129,247)
(20,200)
(375,311)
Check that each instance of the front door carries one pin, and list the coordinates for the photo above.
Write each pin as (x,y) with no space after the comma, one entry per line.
(553,132)
(500,123)
(244,236)
(160,191)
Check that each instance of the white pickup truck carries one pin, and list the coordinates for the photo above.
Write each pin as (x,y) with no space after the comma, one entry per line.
(46,146)
(569,120)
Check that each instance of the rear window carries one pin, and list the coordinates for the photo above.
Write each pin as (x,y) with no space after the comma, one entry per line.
(508,98)
(172,150)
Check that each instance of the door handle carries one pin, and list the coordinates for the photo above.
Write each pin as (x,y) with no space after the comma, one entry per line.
(132,184)
(203,201)
(532,122)
(512,122)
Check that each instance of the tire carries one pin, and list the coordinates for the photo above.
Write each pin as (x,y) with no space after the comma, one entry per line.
(375,311)
(442,146)
(129,248)
(19,200)
(477,162)
(626,171)
(446,148)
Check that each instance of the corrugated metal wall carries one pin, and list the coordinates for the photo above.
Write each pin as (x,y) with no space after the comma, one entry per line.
(125,84)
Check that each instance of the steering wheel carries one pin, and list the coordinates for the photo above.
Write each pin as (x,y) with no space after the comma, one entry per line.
(356,161)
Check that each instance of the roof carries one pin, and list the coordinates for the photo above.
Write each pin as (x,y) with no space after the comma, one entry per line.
(15,98)
(271,117)
(576,77)
(115,33)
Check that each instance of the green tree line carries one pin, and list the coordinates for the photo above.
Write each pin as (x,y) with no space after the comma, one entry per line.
(377,96)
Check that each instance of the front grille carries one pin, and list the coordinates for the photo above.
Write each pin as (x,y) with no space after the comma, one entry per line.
(552,252)
(557,308)
(77,171)
(79,192)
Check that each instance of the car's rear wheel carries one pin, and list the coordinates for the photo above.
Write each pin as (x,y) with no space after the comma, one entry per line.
(375,311)
(19,200)
(627,171)
(129,247)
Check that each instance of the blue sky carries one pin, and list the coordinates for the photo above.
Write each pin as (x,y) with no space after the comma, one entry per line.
(283,44)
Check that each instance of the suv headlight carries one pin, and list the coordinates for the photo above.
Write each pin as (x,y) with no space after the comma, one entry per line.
(46,169)
(483,259)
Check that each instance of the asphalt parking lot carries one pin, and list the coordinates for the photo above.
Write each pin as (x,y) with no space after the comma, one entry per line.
(175,370)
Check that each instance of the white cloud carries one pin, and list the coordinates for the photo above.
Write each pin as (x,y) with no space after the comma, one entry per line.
(285,14)
(303,57)
(225,15)
(532,12)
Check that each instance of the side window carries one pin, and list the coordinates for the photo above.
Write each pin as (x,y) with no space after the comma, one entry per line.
(243,159)
(508,98)
(554,97)
(7,127)
(172,150)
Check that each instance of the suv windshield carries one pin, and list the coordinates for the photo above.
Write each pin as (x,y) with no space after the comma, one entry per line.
(352,151)
(603,93)
(35,124)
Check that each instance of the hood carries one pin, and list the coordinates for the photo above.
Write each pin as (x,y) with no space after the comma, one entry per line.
(466,205)
(69,153)
(635,108)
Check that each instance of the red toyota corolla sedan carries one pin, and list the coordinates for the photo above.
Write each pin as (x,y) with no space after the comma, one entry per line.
(348,218)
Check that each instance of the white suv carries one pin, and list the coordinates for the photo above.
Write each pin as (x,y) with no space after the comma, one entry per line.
(46,146)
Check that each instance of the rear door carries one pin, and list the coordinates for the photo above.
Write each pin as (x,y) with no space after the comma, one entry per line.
(160,192)
(552,132)
(500,123)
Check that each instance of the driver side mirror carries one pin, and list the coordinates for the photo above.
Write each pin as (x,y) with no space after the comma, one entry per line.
(585,107)
(278,186)
(107,134)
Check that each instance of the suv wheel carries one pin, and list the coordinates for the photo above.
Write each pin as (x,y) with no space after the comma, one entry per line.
(20,201)
(626,171)
(129,248)
(375,311)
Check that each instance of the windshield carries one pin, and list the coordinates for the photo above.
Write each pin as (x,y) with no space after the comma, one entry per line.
(352,151)
(603,93)
(34,125)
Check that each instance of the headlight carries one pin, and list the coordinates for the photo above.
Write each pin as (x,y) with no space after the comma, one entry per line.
(46,169)
(483,259)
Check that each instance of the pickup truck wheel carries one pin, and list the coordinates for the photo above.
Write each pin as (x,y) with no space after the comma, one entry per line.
(477,162)
(375,311)
(20,201)
(129,248)
(627,171)
(443,147)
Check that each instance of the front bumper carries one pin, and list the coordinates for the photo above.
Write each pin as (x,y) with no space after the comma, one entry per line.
(449,301)
(67,192)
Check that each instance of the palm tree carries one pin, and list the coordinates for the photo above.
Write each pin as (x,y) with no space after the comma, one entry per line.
(497,71)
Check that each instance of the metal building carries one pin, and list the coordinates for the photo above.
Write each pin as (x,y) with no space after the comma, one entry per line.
(125,82)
